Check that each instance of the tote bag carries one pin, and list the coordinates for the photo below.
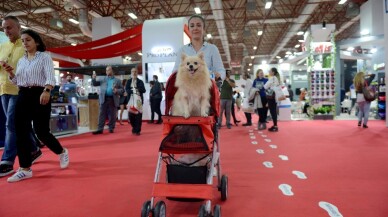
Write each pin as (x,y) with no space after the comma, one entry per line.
(369,94)
(135,105)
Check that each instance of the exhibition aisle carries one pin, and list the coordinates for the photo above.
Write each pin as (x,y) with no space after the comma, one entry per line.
(308,168)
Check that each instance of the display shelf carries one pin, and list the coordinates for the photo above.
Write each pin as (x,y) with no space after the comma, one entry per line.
(381,100)
(64,119)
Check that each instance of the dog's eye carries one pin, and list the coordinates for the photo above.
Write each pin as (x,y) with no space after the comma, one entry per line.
(188,63)
(195,63)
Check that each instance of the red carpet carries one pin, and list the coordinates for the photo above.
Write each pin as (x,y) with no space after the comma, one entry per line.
(112,174)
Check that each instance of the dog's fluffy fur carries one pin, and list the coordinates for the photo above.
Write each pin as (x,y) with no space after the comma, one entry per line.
(193,82)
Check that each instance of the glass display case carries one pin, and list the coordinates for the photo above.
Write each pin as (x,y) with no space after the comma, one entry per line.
(64,119)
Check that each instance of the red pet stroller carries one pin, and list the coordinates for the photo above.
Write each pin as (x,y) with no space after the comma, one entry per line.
(188,179)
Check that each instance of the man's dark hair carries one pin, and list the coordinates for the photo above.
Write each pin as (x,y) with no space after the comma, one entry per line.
(156,77)
(38,40)
(12,18)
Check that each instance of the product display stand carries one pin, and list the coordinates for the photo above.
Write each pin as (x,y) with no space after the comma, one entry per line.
(381,100)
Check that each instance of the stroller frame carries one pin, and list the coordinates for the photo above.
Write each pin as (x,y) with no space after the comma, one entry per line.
(182,191)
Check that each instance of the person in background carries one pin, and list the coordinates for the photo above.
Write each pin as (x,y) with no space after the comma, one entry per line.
(247,87)
(35,77)
(123,102)
(10,53)
(109,99)
(226,100)
(155,100)
(135,86)
(303,97)
(360,81)
(259,83)
(273,83)
(232,109)
(353,97)
(238,100)
(290,93)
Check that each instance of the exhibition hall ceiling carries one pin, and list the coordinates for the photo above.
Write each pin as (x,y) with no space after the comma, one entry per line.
(231,23)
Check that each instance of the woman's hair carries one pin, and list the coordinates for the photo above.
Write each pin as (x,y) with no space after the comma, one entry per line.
(359,81)
(124,81)
(196,16)
(276,73)
(38,40)
(257,72)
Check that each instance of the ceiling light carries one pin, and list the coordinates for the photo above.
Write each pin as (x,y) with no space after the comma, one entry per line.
(300,33)
(373,50)
(252,57)
(132,15)
(281,60)
(297,46)
(73,44)
(209,35)
(264,62)
(23,27)
(350,48)
(301,40)
(364,32)
(197,10)
(288,52)
(268,4)
(324,25)
(73,21)
(278,57)
(249,70)
(260,32)
(250,64)
(140,54)
(341,2)
(254,47)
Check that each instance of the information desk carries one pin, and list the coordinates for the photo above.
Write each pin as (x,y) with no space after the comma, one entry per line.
(64,119)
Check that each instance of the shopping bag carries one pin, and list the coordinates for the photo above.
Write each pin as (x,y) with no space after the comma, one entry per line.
(279,93)
(369,94)
(135,105)
(247,106)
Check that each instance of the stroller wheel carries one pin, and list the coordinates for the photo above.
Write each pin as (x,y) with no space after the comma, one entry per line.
(160,209)
(146,209)
(202,211)
(224,187)
(217,211)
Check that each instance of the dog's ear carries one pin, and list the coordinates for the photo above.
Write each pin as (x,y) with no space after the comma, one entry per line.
(183,57)
(201,55)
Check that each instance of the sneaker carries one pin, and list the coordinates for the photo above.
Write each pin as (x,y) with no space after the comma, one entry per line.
(5,169)
(35,156)
(64,159)
(97,132)
(20,175)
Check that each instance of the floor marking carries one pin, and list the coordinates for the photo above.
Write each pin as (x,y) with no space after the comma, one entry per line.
(268,164)
(283,157)
(267,140)
(251,134)
(273,146)
(330,209)
(286,189)
(253,137)
(264,136)
(260,151)
(254,142)
(299,174)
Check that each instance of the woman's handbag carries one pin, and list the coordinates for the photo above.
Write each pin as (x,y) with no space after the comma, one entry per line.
(369,93)
(135,105)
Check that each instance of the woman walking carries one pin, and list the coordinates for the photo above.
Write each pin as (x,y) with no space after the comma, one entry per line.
(35,78)
(360,82)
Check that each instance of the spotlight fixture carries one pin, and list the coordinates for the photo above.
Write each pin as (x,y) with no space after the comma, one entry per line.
(268,5)
(132,15)
(260,32)
(255,47)
(197,10)
(324,25)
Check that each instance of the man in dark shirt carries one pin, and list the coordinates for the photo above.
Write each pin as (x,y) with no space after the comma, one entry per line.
(226,99)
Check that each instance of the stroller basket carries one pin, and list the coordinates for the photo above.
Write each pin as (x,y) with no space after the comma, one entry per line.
(186,174)
(193,135)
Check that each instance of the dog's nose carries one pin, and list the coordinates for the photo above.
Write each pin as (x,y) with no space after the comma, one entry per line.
(191,66)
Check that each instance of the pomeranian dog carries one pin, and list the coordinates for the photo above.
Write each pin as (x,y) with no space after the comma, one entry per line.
(193,82)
